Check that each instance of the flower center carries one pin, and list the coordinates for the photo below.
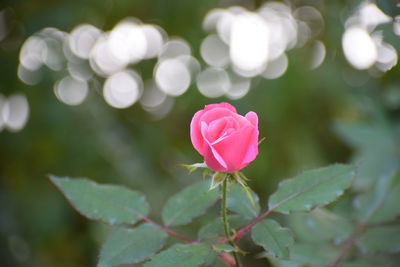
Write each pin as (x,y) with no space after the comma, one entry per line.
(220,129)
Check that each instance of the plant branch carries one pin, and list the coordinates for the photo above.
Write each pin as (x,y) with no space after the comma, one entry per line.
(245,229)
(225,257)
(225,222)
(170,232)
(348,245)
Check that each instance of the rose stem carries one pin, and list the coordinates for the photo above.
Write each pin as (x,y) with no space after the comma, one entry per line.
(225,222)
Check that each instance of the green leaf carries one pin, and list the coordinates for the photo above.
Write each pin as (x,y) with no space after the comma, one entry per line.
(381,203)
(380,239)
(390,209)
(191,202)
(125,246)
(361,263)
(312,189)
(237,201)
(324,224)
(273,238)
(188,255)
(369,140)
(281,263)
(311,255)
(215,229)
(362,135)
(109,203)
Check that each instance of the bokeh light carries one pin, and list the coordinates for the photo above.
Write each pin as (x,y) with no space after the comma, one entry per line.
(172,76)
(14,112)
(127,42)
(213,82)
(359,48)
(152,96)
(33,53)
(174,48)
(214,51)
(249,42)
(318,56)
(71,91)
(2,103)
(30,77)
(82,39)
(276,68)
(123,89)
(155,38)
(363,47)
(239,45)
(239,86)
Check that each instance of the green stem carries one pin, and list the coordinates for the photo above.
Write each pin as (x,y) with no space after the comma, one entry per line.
(225,222)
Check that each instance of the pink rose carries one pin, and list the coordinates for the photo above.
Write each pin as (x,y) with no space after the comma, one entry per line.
(227,141)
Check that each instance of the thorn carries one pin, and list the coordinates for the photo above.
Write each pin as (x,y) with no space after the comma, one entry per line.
(261,140)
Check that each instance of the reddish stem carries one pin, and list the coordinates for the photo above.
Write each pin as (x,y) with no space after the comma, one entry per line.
(225,257)
(348,245)
(245,229)
(170,232)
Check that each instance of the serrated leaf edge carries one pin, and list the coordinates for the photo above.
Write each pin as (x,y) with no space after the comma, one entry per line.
(52,179)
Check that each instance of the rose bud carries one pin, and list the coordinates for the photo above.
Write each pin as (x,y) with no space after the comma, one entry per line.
(227,141)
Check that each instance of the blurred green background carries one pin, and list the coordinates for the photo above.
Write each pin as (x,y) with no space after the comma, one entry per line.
(140,149)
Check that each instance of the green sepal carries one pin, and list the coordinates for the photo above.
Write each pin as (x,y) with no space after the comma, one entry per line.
(206,172)
(241,179)
(217,179)
(192,167)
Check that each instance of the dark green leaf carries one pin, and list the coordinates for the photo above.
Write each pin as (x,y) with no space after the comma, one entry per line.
(215,229)
(131,245)
(273,238)
(311,255)
(188,255)
(362,263)
(109,203)
(390,209)
(324,225)
(369,140)
(376,205)
(237,201)
(281,263)
(312,189)
(364,136)
(191,202)
(380,239)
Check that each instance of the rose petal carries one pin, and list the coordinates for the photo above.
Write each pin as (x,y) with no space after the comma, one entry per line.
(214,153)
(234,149)
(220,105)
(252,118)
(212,162)
(221,128)
(251,154)
(217,113)
(195,133)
